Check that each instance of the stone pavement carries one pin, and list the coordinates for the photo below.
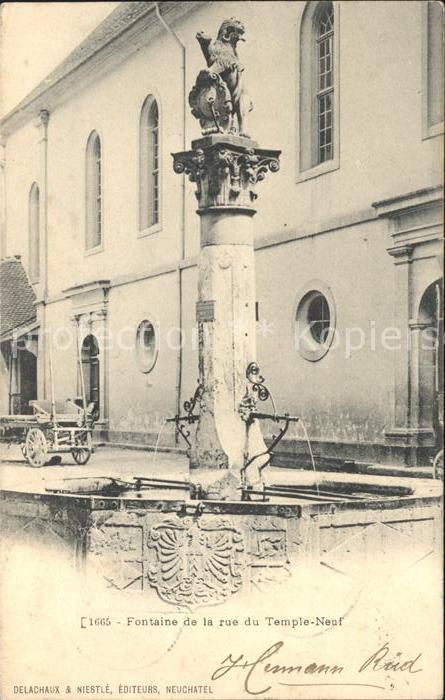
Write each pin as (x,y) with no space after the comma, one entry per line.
(17,475)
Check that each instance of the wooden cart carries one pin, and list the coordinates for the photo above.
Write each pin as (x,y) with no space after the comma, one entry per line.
(53,428)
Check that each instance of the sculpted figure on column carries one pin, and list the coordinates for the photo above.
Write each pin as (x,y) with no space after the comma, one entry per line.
(219,99)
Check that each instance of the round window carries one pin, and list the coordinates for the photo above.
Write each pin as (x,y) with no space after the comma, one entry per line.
(146,346)
(318,318)
(314,322)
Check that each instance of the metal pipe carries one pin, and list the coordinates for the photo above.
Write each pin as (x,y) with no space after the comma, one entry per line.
(183,63)
(44,120)
(275,416)
(150,479)
(288,488)
(303,496)
(182,48)
(179,368)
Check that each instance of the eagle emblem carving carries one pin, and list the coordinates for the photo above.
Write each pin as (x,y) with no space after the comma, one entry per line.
(219,99)
(192,563)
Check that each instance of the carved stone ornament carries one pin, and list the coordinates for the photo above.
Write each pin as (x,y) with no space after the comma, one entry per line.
(218,98)
(195,563)
(211,103)
(226,171)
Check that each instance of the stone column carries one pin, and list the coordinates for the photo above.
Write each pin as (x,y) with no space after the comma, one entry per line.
(100,318)
(398,435)
(406,433)
(226,169)
(75,321)
(422,381)
(402,260)
(14,379)
(416,330)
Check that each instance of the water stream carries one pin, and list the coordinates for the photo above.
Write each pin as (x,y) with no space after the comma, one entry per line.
(158,439)
(306,436)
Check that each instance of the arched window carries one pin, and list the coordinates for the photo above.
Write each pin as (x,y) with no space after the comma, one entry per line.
(93,177)
(318,95)
(34,232)
(433,68)
(149,164)
(325,82)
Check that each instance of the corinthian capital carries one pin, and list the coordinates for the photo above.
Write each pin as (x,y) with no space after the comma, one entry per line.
(226,170)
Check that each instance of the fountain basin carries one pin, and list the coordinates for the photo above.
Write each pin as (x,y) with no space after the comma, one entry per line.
(190,553)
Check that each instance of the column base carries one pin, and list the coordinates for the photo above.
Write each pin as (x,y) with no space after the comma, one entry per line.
(216,485)
(411,436)
(416,443)
(100,430)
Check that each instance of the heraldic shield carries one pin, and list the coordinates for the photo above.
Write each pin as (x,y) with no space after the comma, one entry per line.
(194,562)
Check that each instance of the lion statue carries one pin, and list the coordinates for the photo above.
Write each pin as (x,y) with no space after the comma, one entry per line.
(223,62)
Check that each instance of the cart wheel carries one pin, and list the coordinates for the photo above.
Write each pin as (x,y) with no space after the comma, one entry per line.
(36,447)
(81,456)
(23,449)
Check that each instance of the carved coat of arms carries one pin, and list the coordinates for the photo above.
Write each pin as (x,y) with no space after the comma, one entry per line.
(193,563)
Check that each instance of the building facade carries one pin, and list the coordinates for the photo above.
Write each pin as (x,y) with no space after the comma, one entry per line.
(348,234)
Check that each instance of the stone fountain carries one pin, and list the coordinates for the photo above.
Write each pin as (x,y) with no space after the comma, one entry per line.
(226,165)
(200,541)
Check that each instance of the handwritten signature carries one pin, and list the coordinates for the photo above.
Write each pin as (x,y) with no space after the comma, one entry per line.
(254,683)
